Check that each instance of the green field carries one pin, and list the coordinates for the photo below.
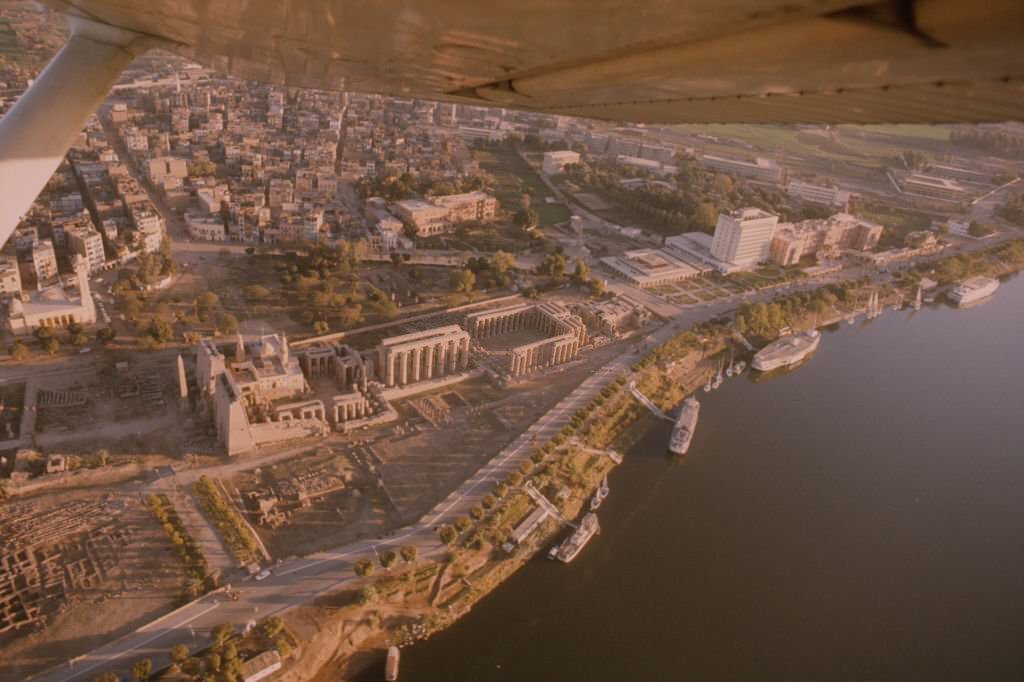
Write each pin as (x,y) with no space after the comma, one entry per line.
(513,175)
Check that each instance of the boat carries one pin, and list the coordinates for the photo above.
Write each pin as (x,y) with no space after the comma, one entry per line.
(740,366)
(599,495)
(973,289)
(391,664)
(588,528)
(553,552)
(786,351)
(917,297)
(874,307)
(716,381)
(707,386)
(686,423)
(729,368)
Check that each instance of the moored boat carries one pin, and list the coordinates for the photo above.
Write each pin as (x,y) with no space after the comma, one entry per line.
(786,351)
(686,423)
(973,289)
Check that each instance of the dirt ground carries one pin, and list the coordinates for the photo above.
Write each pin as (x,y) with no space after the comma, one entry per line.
(114,559)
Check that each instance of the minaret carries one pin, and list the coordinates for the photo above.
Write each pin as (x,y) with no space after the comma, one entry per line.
(239,349)
(182,383)
(284,349)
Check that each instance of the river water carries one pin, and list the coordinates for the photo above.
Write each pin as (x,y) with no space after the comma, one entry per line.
(861,518)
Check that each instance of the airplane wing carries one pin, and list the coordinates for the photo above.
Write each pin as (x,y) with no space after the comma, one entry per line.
(663,61)
(657,61)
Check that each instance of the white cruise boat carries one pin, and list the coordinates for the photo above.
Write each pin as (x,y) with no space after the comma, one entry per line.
(973,289)
(786,351)
(686,423)
(589,527)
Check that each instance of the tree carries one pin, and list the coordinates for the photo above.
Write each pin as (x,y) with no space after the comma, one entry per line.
(106,334)
(367,595)
(463,280)
(552,265)
(447,534)
(320,327)
(408,553)
(271,627)
(142,669)
(363,568)
(107,677)
(502,262)
(179,653)
(526,218)
(18,351)
(256,292)
(220,634)
(78,339)
(50,345)
(463,523)
(596,287)
(160,330)
(388,558)
(581,274)
(227,323)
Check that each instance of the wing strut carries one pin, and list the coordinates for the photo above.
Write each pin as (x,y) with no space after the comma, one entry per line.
(36,132)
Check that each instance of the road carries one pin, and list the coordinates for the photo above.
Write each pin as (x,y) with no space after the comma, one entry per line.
(299,581)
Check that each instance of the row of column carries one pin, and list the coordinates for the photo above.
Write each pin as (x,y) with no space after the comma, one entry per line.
(499,324)
(427,361)
(350,410)
(545,355)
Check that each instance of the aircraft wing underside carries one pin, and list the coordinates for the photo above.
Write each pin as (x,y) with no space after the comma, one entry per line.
(664,61)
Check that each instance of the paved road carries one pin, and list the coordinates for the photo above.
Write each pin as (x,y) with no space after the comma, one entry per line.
(298,581)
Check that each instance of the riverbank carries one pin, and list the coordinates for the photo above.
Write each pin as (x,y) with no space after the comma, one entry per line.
(408,604)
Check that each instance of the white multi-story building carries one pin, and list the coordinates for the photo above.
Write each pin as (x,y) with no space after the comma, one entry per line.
(818,194)
(468,206)
(44,260)
(743,237)
(555,162)
(764,170)
(426,218)
(208,227)
(87,243)
(10,276)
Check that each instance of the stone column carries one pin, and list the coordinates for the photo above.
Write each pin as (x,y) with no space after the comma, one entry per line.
(430,361)
(403,371)
(390,369)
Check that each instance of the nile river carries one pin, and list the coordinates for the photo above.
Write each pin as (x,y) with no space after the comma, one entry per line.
(861,518)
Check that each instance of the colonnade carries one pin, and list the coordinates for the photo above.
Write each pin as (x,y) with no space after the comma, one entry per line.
(423,362)
(350,406)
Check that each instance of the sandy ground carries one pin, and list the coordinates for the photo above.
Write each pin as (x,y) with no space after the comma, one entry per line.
(145,583)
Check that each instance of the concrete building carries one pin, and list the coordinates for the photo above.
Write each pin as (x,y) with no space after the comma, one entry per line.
(649,267)
(10,276)
(87,243)
(555,162)
(205,226)
(419,356)
(695,248)
(818,194)
(761,169)
(44,260)
(426,218)
(929,186)
(743,237)
(279,192)
(468,206)
(612,316)
(163,168)
(54,306)
(563,330)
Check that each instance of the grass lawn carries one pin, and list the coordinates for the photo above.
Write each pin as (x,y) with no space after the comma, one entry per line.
(512,174)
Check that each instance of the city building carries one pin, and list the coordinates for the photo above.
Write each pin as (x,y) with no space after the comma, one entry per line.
(205,227)
(649,165)
(613,316)
(10,276)
(822,238)
(56,305)
(87,243)
(650,267)
(44,261)
(930,186)
(555,162)
(468,206)
(424,217)
(761,169)
(743,237)
(825,195)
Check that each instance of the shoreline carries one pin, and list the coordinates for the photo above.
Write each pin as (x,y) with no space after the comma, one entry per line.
(639,422)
